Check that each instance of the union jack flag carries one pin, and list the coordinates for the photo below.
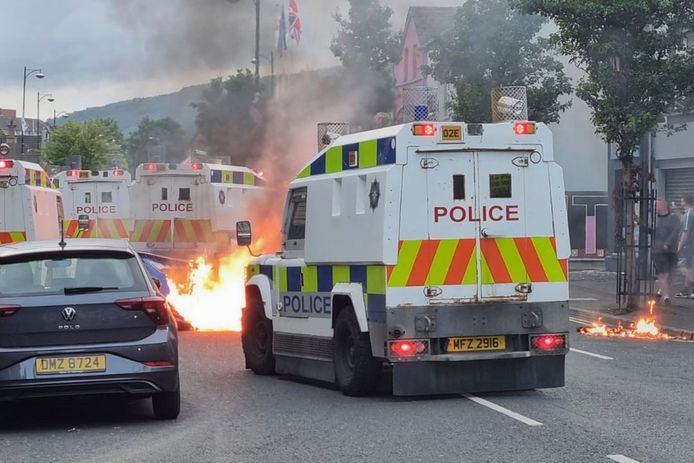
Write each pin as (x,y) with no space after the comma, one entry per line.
(294,21)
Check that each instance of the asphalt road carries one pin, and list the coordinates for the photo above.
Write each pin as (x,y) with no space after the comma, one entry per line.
(637,404)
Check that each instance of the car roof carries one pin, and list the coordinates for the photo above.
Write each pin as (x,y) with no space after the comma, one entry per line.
(79,244)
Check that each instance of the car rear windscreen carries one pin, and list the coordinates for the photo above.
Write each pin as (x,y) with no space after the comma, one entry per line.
(52,273)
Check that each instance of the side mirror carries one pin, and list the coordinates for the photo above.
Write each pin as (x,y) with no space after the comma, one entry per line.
(83,222)
(244,236)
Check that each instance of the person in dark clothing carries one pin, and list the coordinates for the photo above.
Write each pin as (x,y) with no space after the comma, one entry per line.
(667,232)
(685,250)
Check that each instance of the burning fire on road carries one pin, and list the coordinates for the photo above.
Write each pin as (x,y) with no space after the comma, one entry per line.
(645,328)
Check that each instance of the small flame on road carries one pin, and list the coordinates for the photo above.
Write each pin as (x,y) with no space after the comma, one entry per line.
(645,328)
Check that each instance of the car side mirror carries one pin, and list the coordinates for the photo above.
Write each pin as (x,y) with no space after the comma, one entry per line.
(244,237)
(83,222)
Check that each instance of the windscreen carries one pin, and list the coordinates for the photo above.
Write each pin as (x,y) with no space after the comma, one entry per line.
(42,274)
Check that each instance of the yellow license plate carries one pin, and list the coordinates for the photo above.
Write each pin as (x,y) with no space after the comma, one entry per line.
(476,343)
(72,364)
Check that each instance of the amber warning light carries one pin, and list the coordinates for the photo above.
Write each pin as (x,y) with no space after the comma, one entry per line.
(423,130)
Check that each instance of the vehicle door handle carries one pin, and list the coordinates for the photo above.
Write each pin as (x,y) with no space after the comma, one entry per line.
(485,234)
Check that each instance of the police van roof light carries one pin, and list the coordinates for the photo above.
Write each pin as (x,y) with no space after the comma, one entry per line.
(424,130)
(117,173)
(524,128)
(6,164)
(150,166)
(196,166)
(72,173)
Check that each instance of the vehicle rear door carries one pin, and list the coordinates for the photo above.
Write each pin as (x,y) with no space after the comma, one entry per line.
(501,221)
(450,251)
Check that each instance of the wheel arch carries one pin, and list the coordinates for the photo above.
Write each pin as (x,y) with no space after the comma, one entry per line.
(259,286)
(345,295)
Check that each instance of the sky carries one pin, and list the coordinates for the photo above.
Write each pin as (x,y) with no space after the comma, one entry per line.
(95,52)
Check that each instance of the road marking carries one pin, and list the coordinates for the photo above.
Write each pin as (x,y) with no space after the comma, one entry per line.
(579,351)
(580,321)
(502,410)
(582,299)
(621,459)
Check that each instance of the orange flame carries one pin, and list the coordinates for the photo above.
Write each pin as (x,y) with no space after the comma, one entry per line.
(643,328)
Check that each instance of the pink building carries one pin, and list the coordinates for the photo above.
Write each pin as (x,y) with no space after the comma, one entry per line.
(415,91)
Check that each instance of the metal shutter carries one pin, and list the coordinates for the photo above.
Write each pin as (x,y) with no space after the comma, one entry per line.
(678,182)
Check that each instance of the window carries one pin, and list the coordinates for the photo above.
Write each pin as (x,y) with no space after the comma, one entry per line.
(500,185)
(87,198)
(184,194)
(51,274)
(296,229)
(106,197)
(458,186)
(164,194)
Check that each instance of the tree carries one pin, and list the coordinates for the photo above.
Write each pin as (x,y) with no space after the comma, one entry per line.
(230,118)
(492,45)
(368,48)
(161,140)
(95,141)
(637,66)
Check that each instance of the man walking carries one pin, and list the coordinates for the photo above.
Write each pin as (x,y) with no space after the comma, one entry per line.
(685,249)
(667,230)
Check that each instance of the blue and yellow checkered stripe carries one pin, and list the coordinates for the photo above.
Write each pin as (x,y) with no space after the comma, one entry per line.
(37,178)
(368,153)
(322,279)
(235,177)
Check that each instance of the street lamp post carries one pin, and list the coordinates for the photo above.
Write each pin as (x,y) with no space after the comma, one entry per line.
(62,114)
(40,97)
(27,73)
(270,60)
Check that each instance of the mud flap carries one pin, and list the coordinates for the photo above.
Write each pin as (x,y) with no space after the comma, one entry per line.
(429,378)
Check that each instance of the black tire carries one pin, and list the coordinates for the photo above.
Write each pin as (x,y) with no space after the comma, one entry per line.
(256,339)
(167,405)
(356,371)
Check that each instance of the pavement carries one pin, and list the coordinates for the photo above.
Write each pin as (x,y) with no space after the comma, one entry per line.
(592,296)
(625,400)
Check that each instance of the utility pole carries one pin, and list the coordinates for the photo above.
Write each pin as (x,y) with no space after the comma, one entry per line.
(257,43)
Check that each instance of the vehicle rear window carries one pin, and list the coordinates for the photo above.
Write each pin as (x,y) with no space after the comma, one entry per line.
(53,273)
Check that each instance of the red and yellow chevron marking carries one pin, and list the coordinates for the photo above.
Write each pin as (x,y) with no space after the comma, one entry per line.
(454,262)
(151,231)
(193,231)
(102,228)
(12,237)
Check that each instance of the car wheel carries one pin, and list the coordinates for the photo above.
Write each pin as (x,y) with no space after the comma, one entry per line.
(356,371)
(167,405)
(256,339)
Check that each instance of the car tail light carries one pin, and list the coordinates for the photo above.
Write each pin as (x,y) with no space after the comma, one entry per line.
(8,310)
(154,306)
(548,342)
(6,164)
(524,128)
(408,348)
(159,363)
(424,130)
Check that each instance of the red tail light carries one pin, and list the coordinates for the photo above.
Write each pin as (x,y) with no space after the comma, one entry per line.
(154,306)
(408,348)
(6,164)
(524,128)
(548,342)
(159,363)
(8,310)
(424,130)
